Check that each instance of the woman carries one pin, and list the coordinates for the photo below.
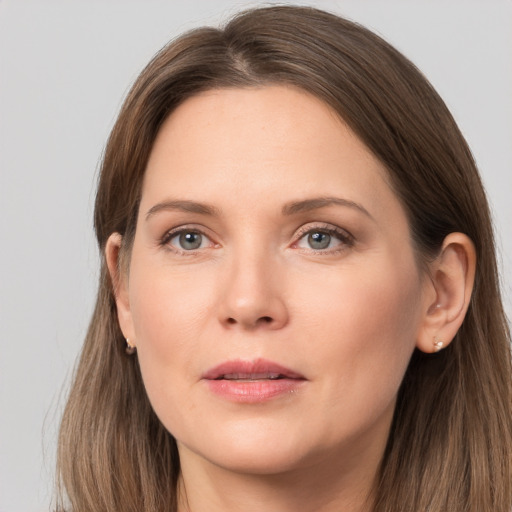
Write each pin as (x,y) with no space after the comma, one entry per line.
(298,304)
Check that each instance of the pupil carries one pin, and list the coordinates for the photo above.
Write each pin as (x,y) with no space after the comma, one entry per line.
(319,240)
(190,240)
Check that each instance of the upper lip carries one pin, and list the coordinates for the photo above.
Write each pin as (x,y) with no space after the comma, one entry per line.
(250,370)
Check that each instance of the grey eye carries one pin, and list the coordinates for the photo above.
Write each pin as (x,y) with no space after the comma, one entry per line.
(319,240)
(189,240)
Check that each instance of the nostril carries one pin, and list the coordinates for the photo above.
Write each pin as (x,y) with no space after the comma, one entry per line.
(261,320)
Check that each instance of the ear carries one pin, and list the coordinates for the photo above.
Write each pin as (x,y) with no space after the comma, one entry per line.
(119,277)
(448,293)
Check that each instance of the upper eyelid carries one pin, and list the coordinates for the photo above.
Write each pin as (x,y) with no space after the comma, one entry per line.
(188,227)
(322,226)
(172,232)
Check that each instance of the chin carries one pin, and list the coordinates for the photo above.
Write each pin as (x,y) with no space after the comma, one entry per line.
(257,461)
(259,450)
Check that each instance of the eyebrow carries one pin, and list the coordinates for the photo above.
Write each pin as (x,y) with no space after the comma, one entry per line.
(183,206)
(321,202)
(288,209)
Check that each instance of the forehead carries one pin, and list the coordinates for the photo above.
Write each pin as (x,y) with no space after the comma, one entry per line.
(268,143)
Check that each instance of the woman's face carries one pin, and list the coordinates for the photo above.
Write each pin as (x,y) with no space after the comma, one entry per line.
(273,292)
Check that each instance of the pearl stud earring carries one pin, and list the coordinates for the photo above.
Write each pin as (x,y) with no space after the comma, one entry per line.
(438,345)
(130,349)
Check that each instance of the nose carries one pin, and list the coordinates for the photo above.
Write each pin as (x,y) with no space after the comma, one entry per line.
(252,296)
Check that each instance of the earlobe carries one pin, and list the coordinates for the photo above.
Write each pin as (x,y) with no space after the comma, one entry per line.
(119,278)
(452,276)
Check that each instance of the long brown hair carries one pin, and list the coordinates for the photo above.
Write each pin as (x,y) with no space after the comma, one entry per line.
(450,443)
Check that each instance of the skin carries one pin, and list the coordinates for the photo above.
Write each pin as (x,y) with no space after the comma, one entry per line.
(347,317)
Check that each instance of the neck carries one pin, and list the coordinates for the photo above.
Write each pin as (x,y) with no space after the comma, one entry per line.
(205,487)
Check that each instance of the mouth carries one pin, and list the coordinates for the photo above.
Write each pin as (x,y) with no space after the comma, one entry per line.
(260,369)
(252,381)
(251,377)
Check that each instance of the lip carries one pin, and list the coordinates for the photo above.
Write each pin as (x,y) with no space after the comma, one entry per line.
(252,381)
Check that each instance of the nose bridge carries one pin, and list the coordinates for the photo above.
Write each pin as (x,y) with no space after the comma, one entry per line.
(253,294)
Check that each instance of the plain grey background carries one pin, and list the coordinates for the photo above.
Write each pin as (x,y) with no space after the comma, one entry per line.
(64,69)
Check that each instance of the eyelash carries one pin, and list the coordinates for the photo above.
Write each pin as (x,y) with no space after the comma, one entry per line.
(346,239)
(169,235)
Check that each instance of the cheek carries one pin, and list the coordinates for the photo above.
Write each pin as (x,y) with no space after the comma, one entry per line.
(365,303)
(169,313)
(364,325)
(167,309)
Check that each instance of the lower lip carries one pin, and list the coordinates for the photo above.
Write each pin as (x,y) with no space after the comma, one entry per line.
(254,391)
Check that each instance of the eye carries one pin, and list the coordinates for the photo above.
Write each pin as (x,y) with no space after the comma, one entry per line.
(186,240)
(326,239)
(319,240)
(189,240)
